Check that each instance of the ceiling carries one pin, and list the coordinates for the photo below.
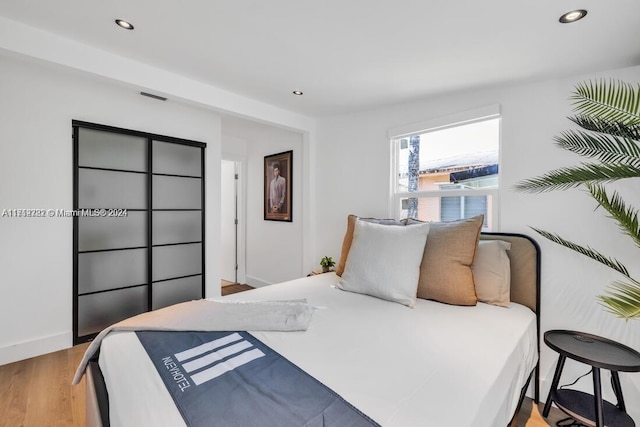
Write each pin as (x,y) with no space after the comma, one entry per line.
(349,55)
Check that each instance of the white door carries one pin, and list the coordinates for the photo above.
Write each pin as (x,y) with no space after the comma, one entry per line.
(228,215)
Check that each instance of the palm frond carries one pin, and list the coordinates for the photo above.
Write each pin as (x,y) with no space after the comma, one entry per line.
(626,217)
(622,299)
(586,251)
(608,113)
(614,101)
(595,124)
(606,148)
(572,177)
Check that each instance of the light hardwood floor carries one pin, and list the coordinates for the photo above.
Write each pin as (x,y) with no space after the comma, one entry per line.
(224,283)
(38,392)
(525,418)
(235,288)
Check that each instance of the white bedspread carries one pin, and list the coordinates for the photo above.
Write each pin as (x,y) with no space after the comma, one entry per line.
(210,315)
(433,365)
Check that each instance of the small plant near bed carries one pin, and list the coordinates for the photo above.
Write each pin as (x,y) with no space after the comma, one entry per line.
(327,263)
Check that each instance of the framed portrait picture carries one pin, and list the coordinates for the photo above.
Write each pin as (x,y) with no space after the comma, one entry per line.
(278,177)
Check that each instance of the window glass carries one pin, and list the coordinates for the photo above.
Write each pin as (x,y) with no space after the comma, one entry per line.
(448,173)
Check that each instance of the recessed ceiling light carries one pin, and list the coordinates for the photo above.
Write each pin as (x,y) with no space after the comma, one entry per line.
(124,24)
(297,92)
(573,16)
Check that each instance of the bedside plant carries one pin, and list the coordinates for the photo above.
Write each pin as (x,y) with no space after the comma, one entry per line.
(327,263)
(609,115)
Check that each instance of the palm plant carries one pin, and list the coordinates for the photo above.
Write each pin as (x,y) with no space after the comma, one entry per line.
(608,114)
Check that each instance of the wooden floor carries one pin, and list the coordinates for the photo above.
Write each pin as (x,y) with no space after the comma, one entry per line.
(525,417)
(224,283)
(234,287)
(37,392)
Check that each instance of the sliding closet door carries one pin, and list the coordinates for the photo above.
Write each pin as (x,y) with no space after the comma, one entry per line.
(177,231)
(138,224)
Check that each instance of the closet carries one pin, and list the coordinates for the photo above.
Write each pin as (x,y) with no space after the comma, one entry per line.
(138,224)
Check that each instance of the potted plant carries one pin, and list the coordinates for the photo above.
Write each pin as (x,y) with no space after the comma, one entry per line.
(608,114)
(327,264)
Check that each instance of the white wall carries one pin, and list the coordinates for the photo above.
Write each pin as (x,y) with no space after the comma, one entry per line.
(274,249)
(353,164)
(37,105)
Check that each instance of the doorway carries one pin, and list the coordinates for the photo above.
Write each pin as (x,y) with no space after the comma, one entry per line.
(232,223)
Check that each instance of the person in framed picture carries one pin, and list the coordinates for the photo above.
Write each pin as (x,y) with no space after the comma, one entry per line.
(277,191)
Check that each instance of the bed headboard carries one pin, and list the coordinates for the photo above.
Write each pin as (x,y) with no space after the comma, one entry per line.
(525,268)
(525,283)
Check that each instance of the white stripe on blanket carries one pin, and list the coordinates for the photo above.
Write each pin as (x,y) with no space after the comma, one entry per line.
(211,315)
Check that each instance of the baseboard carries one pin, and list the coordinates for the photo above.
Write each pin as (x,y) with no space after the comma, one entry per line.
(256,283)
(27,349)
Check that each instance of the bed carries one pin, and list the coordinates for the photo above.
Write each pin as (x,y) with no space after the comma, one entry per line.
(433,364)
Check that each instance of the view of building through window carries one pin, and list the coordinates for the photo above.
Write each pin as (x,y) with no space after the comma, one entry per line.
(461,161)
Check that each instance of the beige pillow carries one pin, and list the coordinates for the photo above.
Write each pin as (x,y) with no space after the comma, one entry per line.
(492,272)
(445,273)
(348,237)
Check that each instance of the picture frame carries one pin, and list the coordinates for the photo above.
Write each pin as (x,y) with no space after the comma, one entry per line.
(278,187)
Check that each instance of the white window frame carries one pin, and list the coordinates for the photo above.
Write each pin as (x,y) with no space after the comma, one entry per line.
(454,120)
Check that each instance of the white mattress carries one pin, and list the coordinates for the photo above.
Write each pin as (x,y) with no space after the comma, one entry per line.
(433,365)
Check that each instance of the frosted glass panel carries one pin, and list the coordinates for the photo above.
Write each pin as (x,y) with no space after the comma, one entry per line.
(97,311)
(111,150)
(98,271)
(170,192)
(176,261)
(176,159)
(108,189)
(175,291)
(112,232)
(115,171)
(176,227)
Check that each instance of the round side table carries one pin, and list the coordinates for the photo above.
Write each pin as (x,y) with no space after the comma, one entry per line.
(599,353)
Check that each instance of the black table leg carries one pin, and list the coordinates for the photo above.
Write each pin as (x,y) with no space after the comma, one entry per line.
(554,386)
(597,397)
(618,390)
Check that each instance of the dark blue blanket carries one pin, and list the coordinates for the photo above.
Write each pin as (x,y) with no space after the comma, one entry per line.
(233,379)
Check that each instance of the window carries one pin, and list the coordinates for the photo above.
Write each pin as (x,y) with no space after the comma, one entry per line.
(448,170)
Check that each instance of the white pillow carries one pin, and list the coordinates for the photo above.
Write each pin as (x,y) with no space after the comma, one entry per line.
(492,272)
(384,261)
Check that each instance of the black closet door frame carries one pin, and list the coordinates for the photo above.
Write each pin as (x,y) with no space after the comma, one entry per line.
(150,137)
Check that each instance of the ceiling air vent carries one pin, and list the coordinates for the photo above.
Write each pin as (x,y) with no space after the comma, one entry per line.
(150,95)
